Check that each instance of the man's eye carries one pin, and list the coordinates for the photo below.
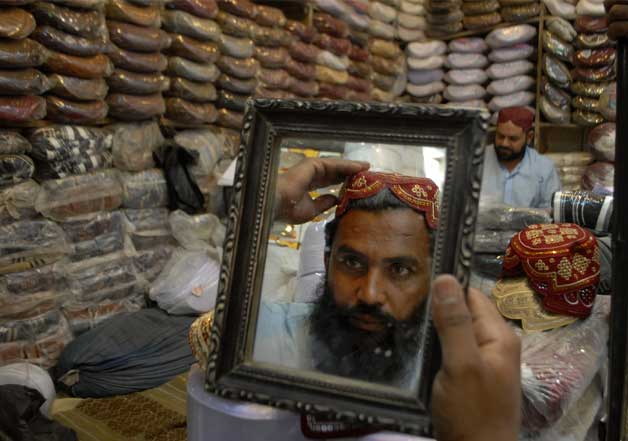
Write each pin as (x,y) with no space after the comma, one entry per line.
(400,270)
(351,262)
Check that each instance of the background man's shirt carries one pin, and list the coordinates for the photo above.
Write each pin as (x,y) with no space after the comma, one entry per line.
(530,184)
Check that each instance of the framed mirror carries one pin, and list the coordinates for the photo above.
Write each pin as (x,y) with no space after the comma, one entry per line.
(285,331)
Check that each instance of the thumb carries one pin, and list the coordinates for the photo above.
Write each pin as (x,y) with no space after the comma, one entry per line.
(324,203)
(453,323)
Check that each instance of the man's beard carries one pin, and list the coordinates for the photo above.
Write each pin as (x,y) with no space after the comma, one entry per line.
(508,154)
(352,352)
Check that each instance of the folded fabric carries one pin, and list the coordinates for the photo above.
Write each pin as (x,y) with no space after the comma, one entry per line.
(510,36)
(426,49)
(421,77)
(464,93)
(433,62)
(561,8)
(466,61)
(468,45)
(509,69)
(137,61)
(512,100)
(510,85)
(463,77)
(426,89)
(127,353)
(520,51)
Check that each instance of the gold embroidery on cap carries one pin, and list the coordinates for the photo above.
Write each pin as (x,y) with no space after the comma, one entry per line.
(565,270)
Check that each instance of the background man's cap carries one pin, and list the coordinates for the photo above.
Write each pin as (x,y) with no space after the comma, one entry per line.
(519,116)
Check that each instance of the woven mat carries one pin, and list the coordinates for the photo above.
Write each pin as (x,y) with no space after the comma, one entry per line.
(156,414)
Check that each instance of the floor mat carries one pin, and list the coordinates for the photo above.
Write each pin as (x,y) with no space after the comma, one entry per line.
(156,414)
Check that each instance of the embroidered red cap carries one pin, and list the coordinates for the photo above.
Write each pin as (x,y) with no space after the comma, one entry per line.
(562,263)
(420,194)
(519,116)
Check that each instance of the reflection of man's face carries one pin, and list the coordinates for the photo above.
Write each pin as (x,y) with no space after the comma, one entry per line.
(510,141)
(380,266)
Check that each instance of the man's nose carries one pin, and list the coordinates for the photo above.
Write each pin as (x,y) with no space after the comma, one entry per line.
(371,291)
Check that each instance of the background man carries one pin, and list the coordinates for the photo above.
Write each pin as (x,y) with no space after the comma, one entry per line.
(514,173)
(365,324)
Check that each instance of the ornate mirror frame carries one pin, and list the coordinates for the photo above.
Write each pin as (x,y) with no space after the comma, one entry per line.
(230,373)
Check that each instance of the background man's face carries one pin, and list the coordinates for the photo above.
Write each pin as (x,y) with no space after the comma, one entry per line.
(510,140)
(382,260)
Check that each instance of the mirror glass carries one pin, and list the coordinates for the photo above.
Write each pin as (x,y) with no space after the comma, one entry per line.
(345,296)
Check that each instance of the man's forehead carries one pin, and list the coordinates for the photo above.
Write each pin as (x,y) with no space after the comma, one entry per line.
(509,128)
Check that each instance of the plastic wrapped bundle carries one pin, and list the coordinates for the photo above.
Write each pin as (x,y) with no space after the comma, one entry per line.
(42,351)
(13,143)
(18,202)
(599,178)
(61,199)
(573,159)
(23,82)
(15,169)
(16,308)
(140,15)
(576,352)
(29,327)
(133,145)
(190,113)
(150,219)
(30,244)
(184,68)
(146,189)
(135,107)
(66,111)
(22,109)
(150,262)
(506,218)
(601,141)
(83,317)
(188,283)
(109,277)
(22,54)
(492,242)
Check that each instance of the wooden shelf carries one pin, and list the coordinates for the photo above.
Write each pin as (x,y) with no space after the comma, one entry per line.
(38,124)
(569,126)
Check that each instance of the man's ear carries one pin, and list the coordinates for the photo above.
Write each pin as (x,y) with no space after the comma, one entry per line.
(530,137)
(326,260)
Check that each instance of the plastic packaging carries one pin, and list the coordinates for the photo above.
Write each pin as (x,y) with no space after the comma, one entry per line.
(554,95)
(357,53)
(236,85)
(81,4)
(238,68)
(595,57)
(583,208)
(383,82)
(476,22)
(510,36)
(20,54)
(230,119)
(306,33)
(30,244)
(122,10)
(82,317)
(146,189)
(301,71)
(426,49)
(23,82)
(588,24)
(520,13)
(236,47)
(420,77)
(585,103)
(412,22)
(274,78)
(137,38)
(270,37)
(97,66)
(190,113)
(574,159)
(468,45)
(15,169)
(562,28)
(556,71)
(558,365)
(207,146)
(480,8)
(512,100)
(181,22)
(331,76)
(303,52)
(592,41)
(147,239)
(592,90)
(190,70)
(607,104)
(561,8)
(305,88)
(231,101)
(500,71)
(75,112)
(425,90)
(135,107)
(16,23)
(22,108)
(497,217)
(433,62)
(150,263)
(67,43)
(272,58)
(32,377)
(338,46)
(463,77)
(555,46)
(200,8)
(134,144)
(18,202)
(358,84)
(409,35)
(61,199)
(89,24)
(601,141)
(196,233)
(590,8)
(55,143)
(151,219)
(555,114)
(243,8)
(586,118)
(27,328)
(444,30)
(326,58)
(466,61)
(122,81)
(599,178)
(269,16)
(188,283)
(464,93)
(510,85)
(13,143)
(78,89)
(380,11)
(359,69)
(235,26)
(594,74)
(137,61)
(91,226)
(192,91)
(512,53)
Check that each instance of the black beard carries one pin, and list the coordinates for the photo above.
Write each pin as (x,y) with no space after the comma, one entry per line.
(508,154)
(378,357)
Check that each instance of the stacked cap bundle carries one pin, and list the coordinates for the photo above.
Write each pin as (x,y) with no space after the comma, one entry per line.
(411,21)
(594,63)
(191,60)
(271,43)
(389,69)
(517,11)
(300,61)
(21,84)
(510,71)
(425,71)
(599,176)
(332,56)
(383,14)
(481,14)
(467,74)
(571,168)
(77,39)
(444,17)
(359,84)
(137,84)
(557,43)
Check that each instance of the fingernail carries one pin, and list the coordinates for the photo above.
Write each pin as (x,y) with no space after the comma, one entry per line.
(445,294)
